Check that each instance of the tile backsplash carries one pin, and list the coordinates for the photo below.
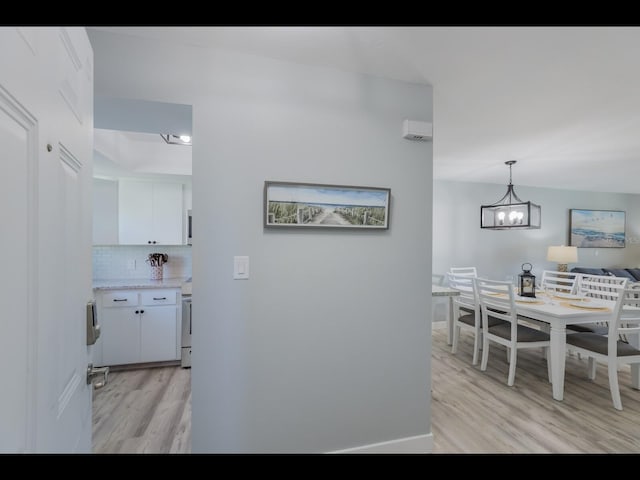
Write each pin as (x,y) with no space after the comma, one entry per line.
(129,261)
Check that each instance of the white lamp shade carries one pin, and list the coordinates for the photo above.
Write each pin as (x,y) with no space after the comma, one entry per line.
(562,254)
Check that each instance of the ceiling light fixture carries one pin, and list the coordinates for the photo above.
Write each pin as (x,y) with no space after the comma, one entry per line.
(177,139)
(510,212)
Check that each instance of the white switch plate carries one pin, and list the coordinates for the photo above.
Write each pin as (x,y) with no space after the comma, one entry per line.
(240,268)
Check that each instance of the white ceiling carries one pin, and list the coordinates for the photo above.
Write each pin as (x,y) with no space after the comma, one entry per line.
(126,153)
(563,101)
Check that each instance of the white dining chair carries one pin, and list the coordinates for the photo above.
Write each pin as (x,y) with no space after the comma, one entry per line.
(466,313)
(624,322)
(602,287)
(563,282)
(554,281)
(497,299)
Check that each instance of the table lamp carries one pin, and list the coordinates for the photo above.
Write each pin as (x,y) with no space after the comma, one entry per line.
(563,255)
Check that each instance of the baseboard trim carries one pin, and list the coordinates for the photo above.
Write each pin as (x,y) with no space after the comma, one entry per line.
(135,366)
(415,444)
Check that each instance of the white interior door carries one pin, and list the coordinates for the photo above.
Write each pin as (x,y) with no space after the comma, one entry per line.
(46,124)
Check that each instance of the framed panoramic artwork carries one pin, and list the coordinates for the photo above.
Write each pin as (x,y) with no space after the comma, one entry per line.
(311,205)
(597,228)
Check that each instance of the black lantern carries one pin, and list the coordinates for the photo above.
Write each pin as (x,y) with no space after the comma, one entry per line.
(527,282)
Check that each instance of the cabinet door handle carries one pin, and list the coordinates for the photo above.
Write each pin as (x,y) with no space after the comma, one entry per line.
(137,311)
(141,311)
(149,242)
(120,299)
(159,298)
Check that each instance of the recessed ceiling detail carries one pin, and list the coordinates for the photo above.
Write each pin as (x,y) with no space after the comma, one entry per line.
(176,139)
(139,153)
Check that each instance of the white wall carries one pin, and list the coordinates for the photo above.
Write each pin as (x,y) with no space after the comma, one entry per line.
(328,345)
(458,239)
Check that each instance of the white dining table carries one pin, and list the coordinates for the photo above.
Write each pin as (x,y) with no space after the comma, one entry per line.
(558,315)
(440,291)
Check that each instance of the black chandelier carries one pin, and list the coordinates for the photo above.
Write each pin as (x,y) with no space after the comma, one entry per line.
(510,212)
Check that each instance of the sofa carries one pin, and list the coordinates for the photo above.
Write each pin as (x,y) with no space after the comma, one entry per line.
(633,274)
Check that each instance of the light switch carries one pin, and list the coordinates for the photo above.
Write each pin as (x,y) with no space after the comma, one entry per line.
(240,268)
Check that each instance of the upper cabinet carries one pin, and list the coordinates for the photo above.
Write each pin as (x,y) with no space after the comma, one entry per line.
(133,212)
(105,212)
(142,182)
(150,213)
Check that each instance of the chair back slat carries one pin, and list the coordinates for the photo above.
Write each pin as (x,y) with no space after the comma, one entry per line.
(469,271)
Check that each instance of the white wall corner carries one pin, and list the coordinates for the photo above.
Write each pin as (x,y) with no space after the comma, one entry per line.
(415,444)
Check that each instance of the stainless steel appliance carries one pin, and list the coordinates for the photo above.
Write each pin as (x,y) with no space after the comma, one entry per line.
(186,331)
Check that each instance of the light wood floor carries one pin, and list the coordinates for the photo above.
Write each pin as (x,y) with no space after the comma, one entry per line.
(149,410)
(476,412)
(143,411)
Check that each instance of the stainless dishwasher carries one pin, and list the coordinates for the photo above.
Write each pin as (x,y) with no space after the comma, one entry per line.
(186,331)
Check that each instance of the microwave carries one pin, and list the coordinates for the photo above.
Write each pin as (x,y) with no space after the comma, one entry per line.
(189,227)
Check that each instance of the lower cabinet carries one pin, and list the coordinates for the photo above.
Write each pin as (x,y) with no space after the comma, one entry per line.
(158,334)
(138,325)
(120,335)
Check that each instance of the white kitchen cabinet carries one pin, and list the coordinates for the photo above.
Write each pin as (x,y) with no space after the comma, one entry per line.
(150,213)
(105,212)
(159,324)
(138,325)
(158,334)
(120,335)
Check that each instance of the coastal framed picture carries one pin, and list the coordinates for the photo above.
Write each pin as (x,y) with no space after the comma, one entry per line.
(313,205)
(597,228)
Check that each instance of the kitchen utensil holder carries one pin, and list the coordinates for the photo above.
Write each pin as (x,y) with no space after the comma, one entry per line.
(156,272)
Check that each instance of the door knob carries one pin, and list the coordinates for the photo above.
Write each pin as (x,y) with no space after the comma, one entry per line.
(94,372)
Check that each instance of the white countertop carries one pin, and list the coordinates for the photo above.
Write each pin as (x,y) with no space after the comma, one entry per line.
(440,291)
(116,284)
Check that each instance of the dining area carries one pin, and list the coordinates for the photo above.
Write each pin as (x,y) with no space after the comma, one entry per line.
(553,370)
